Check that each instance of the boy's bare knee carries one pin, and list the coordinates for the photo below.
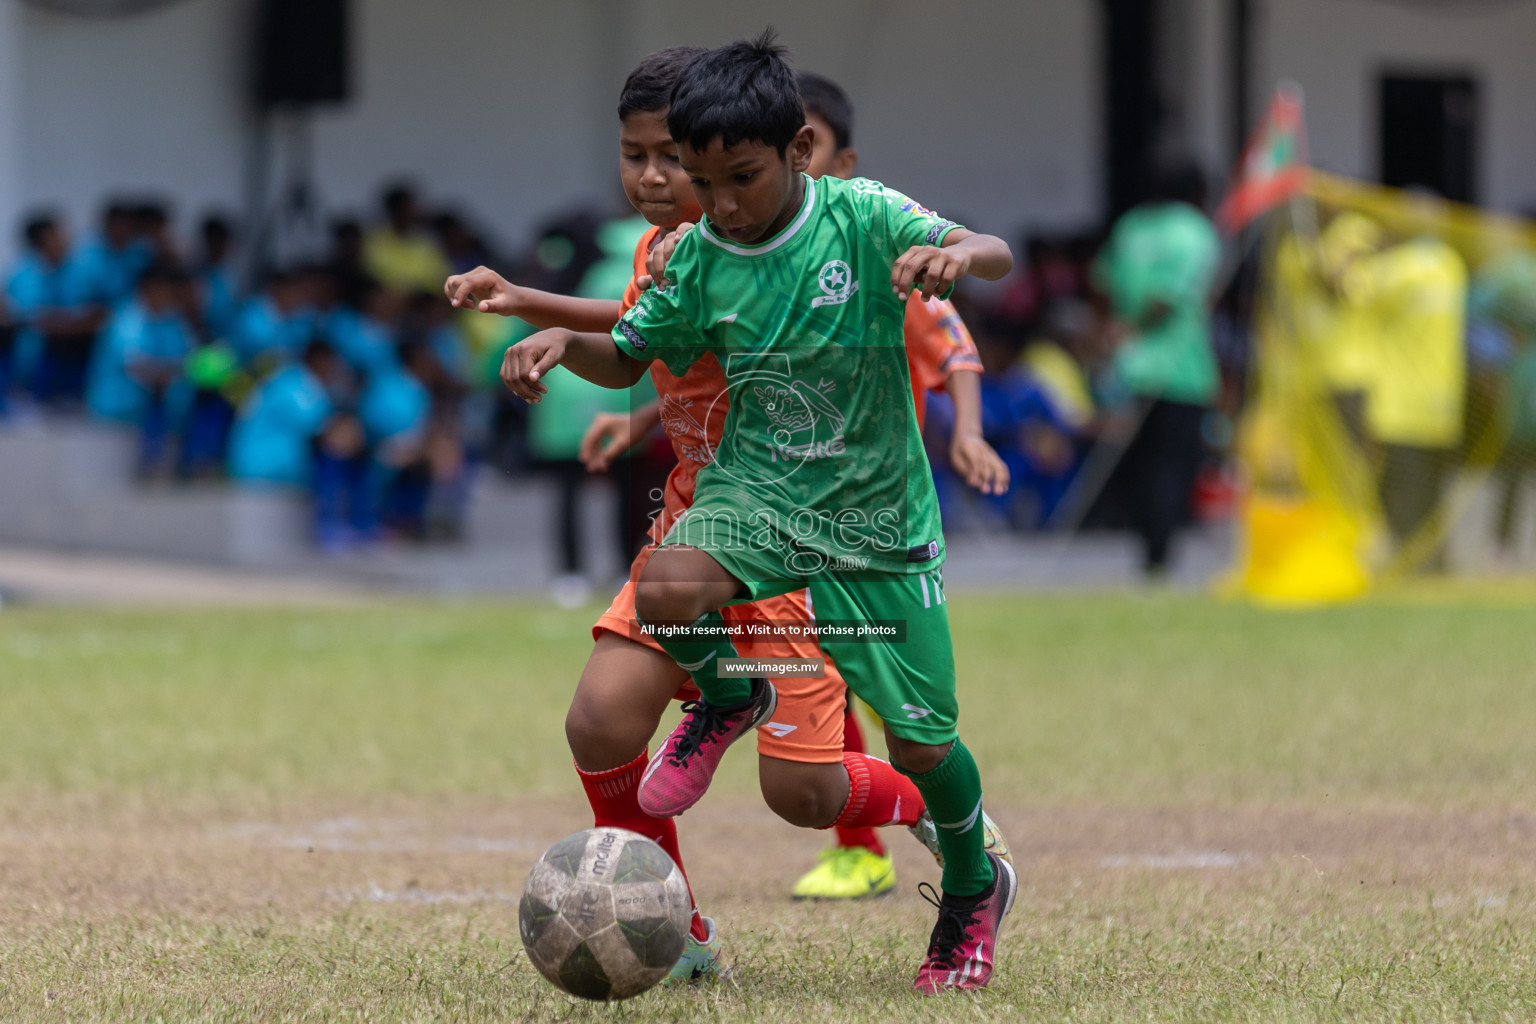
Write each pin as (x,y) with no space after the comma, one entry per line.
(806,795)
(680,583)
(916,758)
(803,809)
(598,742)
(666,600)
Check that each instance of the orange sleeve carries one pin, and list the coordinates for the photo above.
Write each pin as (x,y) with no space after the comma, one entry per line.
(642,252)
(938,343)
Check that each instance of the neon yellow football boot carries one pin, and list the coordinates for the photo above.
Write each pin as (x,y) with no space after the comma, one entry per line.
(847,873)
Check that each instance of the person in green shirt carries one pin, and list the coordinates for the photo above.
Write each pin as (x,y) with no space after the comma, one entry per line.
(1157,269)
(1504,297)
(798,288)
(557,425)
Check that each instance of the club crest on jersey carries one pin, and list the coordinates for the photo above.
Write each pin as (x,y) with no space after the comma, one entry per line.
(836,280)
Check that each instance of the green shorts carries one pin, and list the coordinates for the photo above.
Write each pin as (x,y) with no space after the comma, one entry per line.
(909,680)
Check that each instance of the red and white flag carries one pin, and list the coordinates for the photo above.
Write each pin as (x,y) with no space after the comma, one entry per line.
(1274,163)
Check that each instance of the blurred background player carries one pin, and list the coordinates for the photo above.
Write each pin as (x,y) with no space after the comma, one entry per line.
(1413,293)
(1157,270)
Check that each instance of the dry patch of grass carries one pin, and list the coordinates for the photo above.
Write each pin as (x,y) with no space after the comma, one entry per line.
(1219,814)
(404,909)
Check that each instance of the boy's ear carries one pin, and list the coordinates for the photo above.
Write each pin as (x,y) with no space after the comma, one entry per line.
(799,151)
(844,163)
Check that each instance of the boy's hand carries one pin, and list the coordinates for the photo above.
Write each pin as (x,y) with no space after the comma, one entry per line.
(933,269)
(482,289)
(978,464)
(529,360)
(656,262)
(606,439)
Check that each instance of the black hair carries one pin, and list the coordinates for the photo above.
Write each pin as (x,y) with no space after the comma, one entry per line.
(397,197)
(407,352)
(825,99)
(151,214)
(649,87)
(316,349)
(744,92)
(217,226)
(162,272)
(37,226)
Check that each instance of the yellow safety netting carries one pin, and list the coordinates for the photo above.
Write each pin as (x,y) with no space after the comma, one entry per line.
(1391,429)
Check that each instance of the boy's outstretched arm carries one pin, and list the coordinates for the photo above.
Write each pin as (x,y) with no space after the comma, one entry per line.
(487,291)
(593,357)
(614,433)
(935,268)
(973,458)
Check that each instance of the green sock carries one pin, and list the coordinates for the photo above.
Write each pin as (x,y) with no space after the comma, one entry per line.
(696,652)
(952,792)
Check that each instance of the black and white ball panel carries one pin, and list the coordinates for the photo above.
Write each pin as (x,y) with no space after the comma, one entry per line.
(605,914)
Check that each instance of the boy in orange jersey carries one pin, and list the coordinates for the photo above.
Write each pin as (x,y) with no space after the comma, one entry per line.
(805,774)
(940,354)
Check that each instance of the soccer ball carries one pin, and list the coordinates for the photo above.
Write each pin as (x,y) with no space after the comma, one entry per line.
(605,914)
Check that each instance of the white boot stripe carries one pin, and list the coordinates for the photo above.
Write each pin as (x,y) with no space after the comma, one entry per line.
(695,666)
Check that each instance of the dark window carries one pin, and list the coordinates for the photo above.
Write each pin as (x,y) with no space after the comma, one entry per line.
(1429,134)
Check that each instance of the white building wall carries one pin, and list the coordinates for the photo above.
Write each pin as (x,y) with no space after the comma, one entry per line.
(506,107)
(988,109)
(151,103)
(10,126)
(485,103)
(1337,48)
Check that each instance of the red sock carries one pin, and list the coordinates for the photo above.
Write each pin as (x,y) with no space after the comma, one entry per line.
(877,795)
(612,796)
(853,743)
(853,734)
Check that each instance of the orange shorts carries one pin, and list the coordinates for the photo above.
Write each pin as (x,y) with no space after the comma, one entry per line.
(807,726)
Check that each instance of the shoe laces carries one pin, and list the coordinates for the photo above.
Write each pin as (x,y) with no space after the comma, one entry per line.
(704,723)
(950,930)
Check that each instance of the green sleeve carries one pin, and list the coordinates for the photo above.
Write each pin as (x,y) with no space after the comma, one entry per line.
(663,324)
(897,223)
(905,222)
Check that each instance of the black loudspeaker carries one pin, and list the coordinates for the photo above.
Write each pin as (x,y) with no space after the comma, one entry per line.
(301,52)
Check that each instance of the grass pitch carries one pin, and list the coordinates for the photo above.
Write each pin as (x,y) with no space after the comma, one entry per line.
(1219,813)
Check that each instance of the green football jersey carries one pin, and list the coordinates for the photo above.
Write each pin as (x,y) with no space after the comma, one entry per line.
(821,446)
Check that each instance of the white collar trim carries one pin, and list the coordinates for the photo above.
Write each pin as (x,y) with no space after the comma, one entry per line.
(783,236)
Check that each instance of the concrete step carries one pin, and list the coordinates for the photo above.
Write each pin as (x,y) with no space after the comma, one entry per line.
(68,486)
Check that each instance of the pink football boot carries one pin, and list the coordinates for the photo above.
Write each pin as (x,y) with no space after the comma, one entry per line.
(963,946)
(680,772)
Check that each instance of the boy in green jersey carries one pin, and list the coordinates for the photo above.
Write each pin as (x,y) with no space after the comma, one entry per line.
(798,288)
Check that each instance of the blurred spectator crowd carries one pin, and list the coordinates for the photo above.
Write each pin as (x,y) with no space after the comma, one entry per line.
(351,377)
